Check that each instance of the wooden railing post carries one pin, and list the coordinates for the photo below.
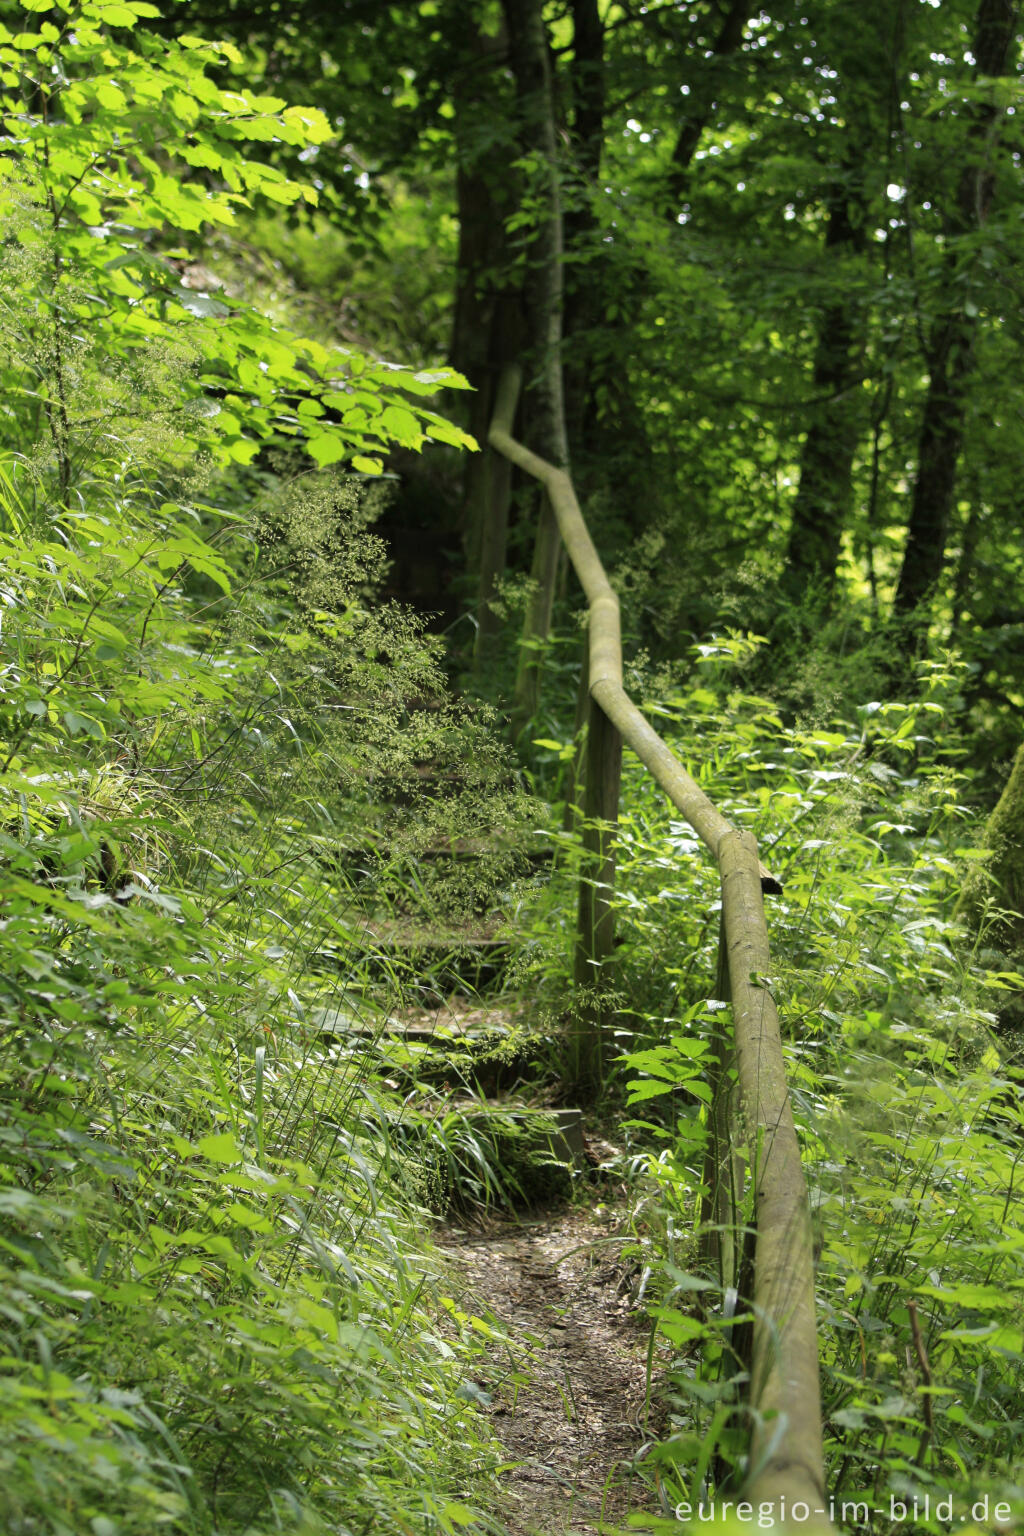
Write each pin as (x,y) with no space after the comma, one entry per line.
(595,930)
(721,1189)
(576,771)
(786,1457)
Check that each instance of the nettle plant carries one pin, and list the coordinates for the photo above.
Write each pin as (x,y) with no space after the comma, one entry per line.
(906,1099)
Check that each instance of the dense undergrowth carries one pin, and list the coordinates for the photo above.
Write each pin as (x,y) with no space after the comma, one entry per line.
(219,1313)
(905,1088)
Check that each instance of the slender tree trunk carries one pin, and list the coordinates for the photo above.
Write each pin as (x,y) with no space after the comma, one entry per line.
(938,453)
(474,308)
(825,489)
(868,52)
(528,51)
(965,565)
(954,333)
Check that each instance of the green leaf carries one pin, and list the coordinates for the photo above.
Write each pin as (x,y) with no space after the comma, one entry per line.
(458,1514)
(326,448)
(445,432)
(220,1148)
(978,1298)
(245,1216)
(401,425)
(111,96)
(646,1088)
(115,15)
(78,725)
(241,449)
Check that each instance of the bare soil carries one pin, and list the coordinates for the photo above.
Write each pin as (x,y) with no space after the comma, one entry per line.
(568,1397)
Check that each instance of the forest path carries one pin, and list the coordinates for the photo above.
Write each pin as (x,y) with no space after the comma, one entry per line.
(568,1392)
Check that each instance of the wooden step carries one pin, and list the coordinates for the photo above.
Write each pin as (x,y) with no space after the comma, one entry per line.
(533,1151)
(482,1048)
(443,962)
(561,1129)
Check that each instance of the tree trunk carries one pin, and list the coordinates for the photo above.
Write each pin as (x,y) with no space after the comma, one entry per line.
(867,48)
(528,51)
(824,494)
(1001,883)
(939,442)
(954,333)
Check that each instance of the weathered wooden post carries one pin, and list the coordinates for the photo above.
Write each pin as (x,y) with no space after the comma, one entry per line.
(722,1174)
(595,928)
(577,769)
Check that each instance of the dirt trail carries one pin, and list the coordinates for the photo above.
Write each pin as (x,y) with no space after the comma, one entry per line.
(568,1400)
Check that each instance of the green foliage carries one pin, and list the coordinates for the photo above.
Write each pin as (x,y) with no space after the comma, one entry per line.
(219,1314)
(121,148)
(906,1103)
(904,1077)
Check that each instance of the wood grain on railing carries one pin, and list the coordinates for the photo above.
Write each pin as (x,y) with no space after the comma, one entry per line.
(786,1465)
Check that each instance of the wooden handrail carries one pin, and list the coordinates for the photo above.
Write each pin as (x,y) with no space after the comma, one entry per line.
(786,1465)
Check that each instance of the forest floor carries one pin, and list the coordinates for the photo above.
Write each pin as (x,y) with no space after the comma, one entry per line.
(568,1401)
